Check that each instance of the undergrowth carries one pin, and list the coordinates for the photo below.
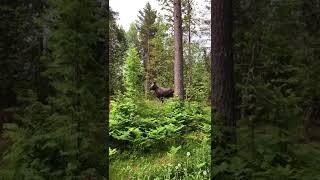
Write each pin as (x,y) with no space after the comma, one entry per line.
(159,141)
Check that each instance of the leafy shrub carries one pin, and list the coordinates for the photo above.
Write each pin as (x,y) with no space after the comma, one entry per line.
(144,125)
(267,160)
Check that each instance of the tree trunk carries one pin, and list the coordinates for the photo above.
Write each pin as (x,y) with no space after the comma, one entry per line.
(146,70)
(178,63)
(223,97)
(189,44)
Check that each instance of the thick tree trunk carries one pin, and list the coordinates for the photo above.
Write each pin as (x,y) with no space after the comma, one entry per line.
(178,63)
(223,95)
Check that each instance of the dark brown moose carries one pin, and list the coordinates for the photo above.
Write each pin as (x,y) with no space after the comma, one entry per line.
(161,92)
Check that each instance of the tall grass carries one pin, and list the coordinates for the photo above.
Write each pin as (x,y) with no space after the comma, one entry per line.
(187,161)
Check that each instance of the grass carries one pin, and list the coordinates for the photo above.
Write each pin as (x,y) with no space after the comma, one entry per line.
(186,156)
(190,161)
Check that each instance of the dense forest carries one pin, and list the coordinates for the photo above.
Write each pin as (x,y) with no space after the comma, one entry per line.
(53,89)
(154,137)
(264,92)
(265,88)
(226,91)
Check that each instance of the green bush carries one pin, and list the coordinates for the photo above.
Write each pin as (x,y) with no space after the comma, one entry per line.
(144,125)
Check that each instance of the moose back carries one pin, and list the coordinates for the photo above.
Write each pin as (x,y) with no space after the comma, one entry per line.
(161,92)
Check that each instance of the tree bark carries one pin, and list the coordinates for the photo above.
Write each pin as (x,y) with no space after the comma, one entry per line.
(178,63)
(146,70)
(223,93)
(189,43)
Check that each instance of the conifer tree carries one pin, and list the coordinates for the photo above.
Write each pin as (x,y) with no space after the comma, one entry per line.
(162,65)
(223,98)
(146,28)
(132,35)
(20,50)
(77,74)
(118,46)
(178,62)
(65,138)
(132,74)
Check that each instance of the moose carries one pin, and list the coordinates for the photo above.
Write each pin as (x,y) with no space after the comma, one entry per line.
(161,92)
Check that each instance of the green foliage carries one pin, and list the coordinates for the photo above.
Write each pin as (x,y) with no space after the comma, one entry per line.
(269,162)
(197,74)
(144,126)
(79,87)
(132,36)
(188,161)
(61,138)
(165,141)
(132,74)
(146,32)
(118,46)
(162,62)
(20,49)
(273,67)
(145,25)
(32,141)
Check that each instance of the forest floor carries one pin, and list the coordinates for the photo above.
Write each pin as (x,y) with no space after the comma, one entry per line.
(191,157)
(188,157)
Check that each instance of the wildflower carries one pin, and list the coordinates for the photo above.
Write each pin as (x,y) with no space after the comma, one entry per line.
(205,172)
(177,167)
(185,169)
(188,153)
(179,164)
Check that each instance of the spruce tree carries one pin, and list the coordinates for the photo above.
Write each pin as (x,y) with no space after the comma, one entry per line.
(132,73)
(132,35)
(162,65)
(147,30)
(65,138)
(77,74)
(118,46)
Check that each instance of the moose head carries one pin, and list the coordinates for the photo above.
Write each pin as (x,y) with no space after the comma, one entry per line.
(153,86)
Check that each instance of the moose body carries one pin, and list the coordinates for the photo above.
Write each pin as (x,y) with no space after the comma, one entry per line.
(162,92)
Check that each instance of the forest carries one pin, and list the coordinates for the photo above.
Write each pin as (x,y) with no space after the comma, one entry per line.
(151,137)
(198,89)
(53,89)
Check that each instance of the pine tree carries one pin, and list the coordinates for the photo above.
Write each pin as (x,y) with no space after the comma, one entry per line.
(223,97)
(146,28)
(178,63)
